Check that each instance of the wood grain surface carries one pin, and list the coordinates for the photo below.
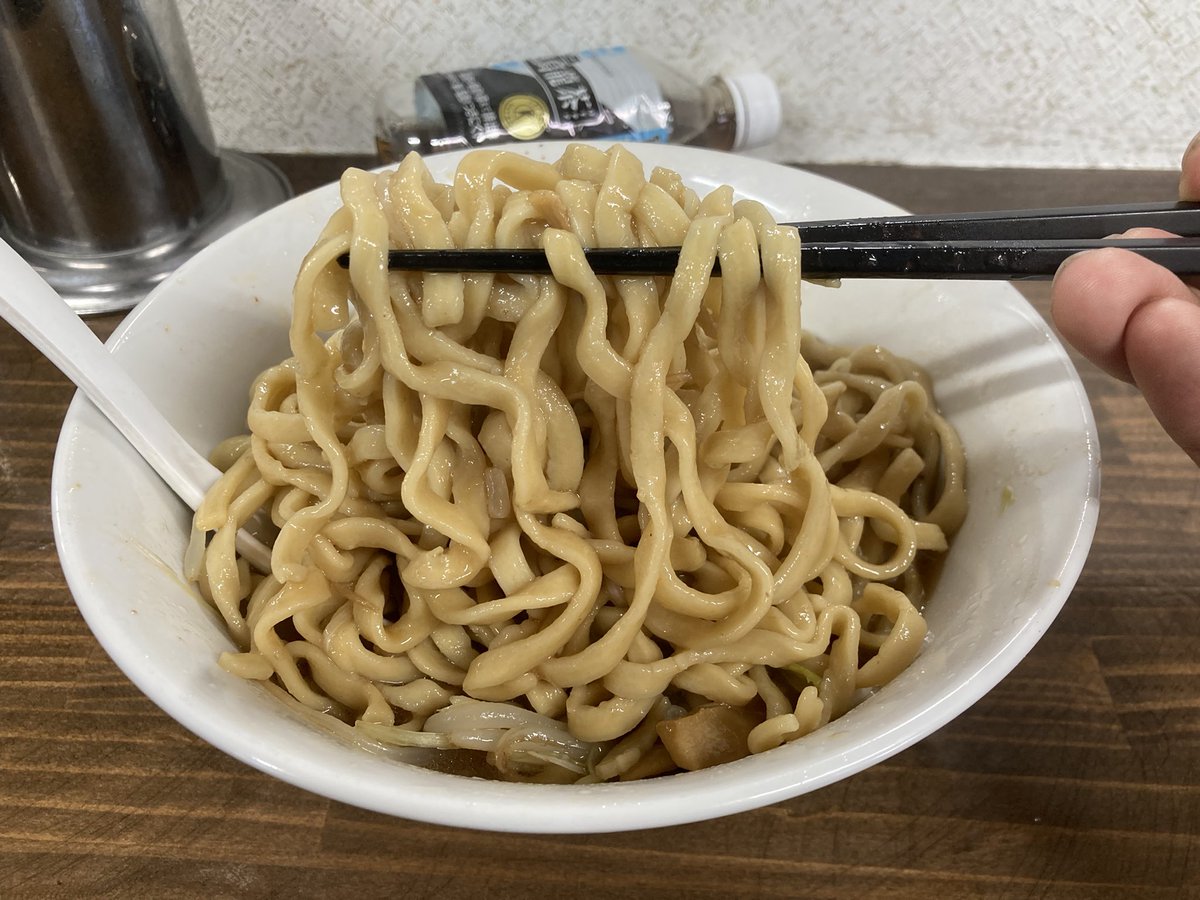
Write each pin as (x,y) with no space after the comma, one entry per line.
(1077,777)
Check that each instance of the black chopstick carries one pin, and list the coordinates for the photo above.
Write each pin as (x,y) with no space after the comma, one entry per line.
(1011,244)
(838,259)
(980,260)
(1064,223)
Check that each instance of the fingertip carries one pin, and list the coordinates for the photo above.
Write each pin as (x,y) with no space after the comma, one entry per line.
(1096,293)
(1063,294)
(1192,147)
(1138,234)
(1189,176)
(1088,311)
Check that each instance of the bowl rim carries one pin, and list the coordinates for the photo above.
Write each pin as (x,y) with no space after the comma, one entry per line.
(672,800)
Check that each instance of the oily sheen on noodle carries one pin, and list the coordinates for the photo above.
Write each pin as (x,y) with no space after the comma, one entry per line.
(590,528)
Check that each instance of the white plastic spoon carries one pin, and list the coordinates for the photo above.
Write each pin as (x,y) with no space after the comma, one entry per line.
(34,308)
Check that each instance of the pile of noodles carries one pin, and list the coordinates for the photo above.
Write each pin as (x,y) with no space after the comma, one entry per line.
(550,519)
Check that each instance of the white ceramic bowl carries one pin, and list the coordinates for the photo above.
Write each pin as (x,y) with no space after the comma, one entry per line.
(198,340)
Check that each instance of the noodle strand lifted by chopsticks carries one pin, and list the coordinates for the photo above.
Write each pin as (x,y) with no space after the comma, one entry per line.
(589,527)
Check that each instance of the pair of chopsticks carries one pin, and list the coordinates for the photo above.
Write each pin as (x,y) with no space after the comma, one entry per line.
(1009,244)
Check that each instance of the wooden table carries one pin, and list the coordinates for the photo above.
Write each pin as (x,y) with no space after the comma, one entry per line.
(1077,777)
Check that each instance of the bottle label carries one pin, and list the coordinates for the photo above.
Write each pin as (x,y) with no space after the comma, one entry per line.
(592,94)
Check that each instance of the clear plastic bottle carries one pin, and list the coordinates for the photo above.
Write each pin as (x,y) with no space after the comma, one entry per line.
(616,92)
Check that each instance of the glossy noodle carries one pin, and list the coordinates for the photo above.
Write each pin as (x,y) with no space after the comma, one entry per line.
(581,528)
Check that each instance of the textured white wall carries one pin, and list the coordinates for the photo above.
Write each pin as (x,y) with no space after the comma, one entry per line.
(1059,83)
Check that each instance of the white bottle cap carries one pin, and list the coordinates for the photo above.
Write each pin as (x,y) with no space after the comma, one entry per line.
(756,107)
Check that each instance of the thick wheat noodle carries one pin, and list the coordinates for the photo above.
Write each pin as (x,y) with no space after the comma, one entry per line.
(542,517)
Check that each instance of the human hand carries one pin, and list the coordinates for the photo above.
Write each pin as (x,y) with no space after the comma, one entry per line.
(1140,323)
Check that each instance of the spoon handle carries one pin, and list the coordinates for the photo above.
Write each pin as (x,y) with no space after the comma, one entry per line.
(34,308)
